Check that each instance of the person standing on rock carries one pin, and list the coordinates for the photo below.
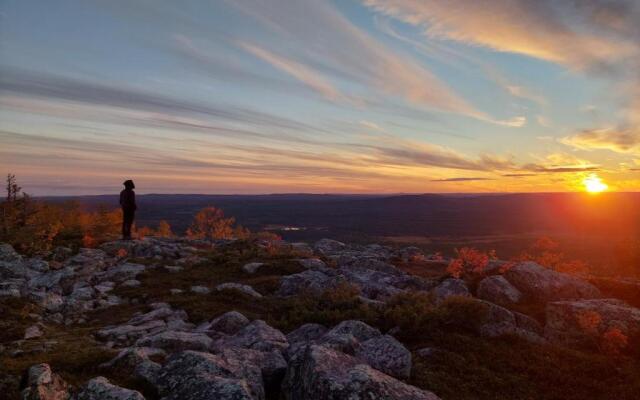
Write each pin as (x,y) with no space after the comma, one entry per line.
(128,204)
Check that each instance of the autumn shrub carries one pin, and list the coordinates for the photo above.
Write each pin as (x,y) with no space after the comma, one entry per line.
(469,263)
(210,223)
(546,252)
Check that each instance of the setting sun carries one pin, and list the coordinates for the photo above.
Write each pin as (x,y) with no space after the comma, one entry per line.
(594,184)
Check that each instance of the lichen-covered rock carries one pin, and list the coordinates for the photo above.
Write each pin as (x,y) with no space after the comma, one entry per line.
(203,376)
(101,389)
(44,384)
(257,336)
(581,322)
(306,333)
(252,268)
(177,341)
(246,289)
(321,373)
(309,281)
(544,285)
(200,289)
(386,354)
(229,323)
(121,272)
(357,329)
(328,246)
(448,288)
(497,289)
(499,322)
(312,263)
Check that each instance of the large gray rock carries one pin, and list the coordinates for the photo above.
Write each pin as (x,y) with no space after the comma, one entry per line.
(122,272)
(245,289)
(449,288)
(177,341)
(306,333)
(320,373)
(542,284)
(252,268)
(257,336)
(347,336)
(203,376)
(328,246)
(101,389)
(44,384)
(229,323)
(7,253)
(307,282)
(499,322)
(497,289)
(583,321)
(387,355)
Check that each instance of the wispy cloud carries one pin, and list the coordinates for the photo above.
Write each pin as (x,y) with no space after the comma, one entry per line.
(462,179)
(298,70)
(623,140)
(334,45)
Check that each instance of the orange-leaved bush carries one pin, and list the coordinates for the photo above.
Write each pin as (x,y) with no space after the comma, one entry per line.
(469,263)
(210,223)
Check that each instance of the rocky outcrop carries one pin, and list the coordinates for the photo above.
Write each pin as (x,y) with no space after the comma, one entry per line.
(499,322)
(44,384)
(544,285)
(497,289)
(244,289)
(202,376)
(449,288)
(101,389)
(320,373)
(387,355)
(583,322)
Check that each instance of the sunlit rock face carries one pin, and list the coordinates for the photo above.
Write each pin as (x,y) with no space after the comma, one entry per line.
(585,322)
(542,284)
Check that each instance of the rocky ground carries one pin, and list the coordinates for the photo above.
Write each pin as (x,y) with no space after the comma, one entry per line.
(183,319)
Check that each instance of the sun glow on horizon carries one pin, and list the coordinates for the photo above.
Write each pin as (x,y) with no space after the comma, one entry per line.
(594,184)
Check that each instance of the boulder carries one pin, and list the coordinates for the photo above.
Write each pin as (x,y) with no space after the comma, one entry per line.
(200,289)
(203,376)
(321,373)
(309,281)
(252,268)
(582,322)
(387,355)
(499,322)
(246,289)
(544,285)
(177,341)
(33,332)
(312,263)
(306,333)
(327,247)
(44,384)
(229,323)
(101,389)
(448,288)
(121,273)
(257,336)
(497,289)
(8,254)
(130,358)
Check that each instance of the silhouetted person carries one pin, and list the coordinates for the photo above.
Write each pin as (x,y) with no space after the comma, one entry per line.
(128,204)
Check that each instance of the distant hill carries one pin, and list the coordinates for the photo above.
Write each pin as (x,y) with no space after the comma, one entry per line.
(400,215)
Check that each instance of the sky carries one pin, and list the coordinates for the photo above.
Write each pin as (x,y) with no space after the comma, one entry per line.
(315,96)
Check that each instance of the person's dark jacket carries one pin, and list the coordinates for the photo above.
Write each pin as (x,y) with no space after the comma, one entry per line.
(128,200)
